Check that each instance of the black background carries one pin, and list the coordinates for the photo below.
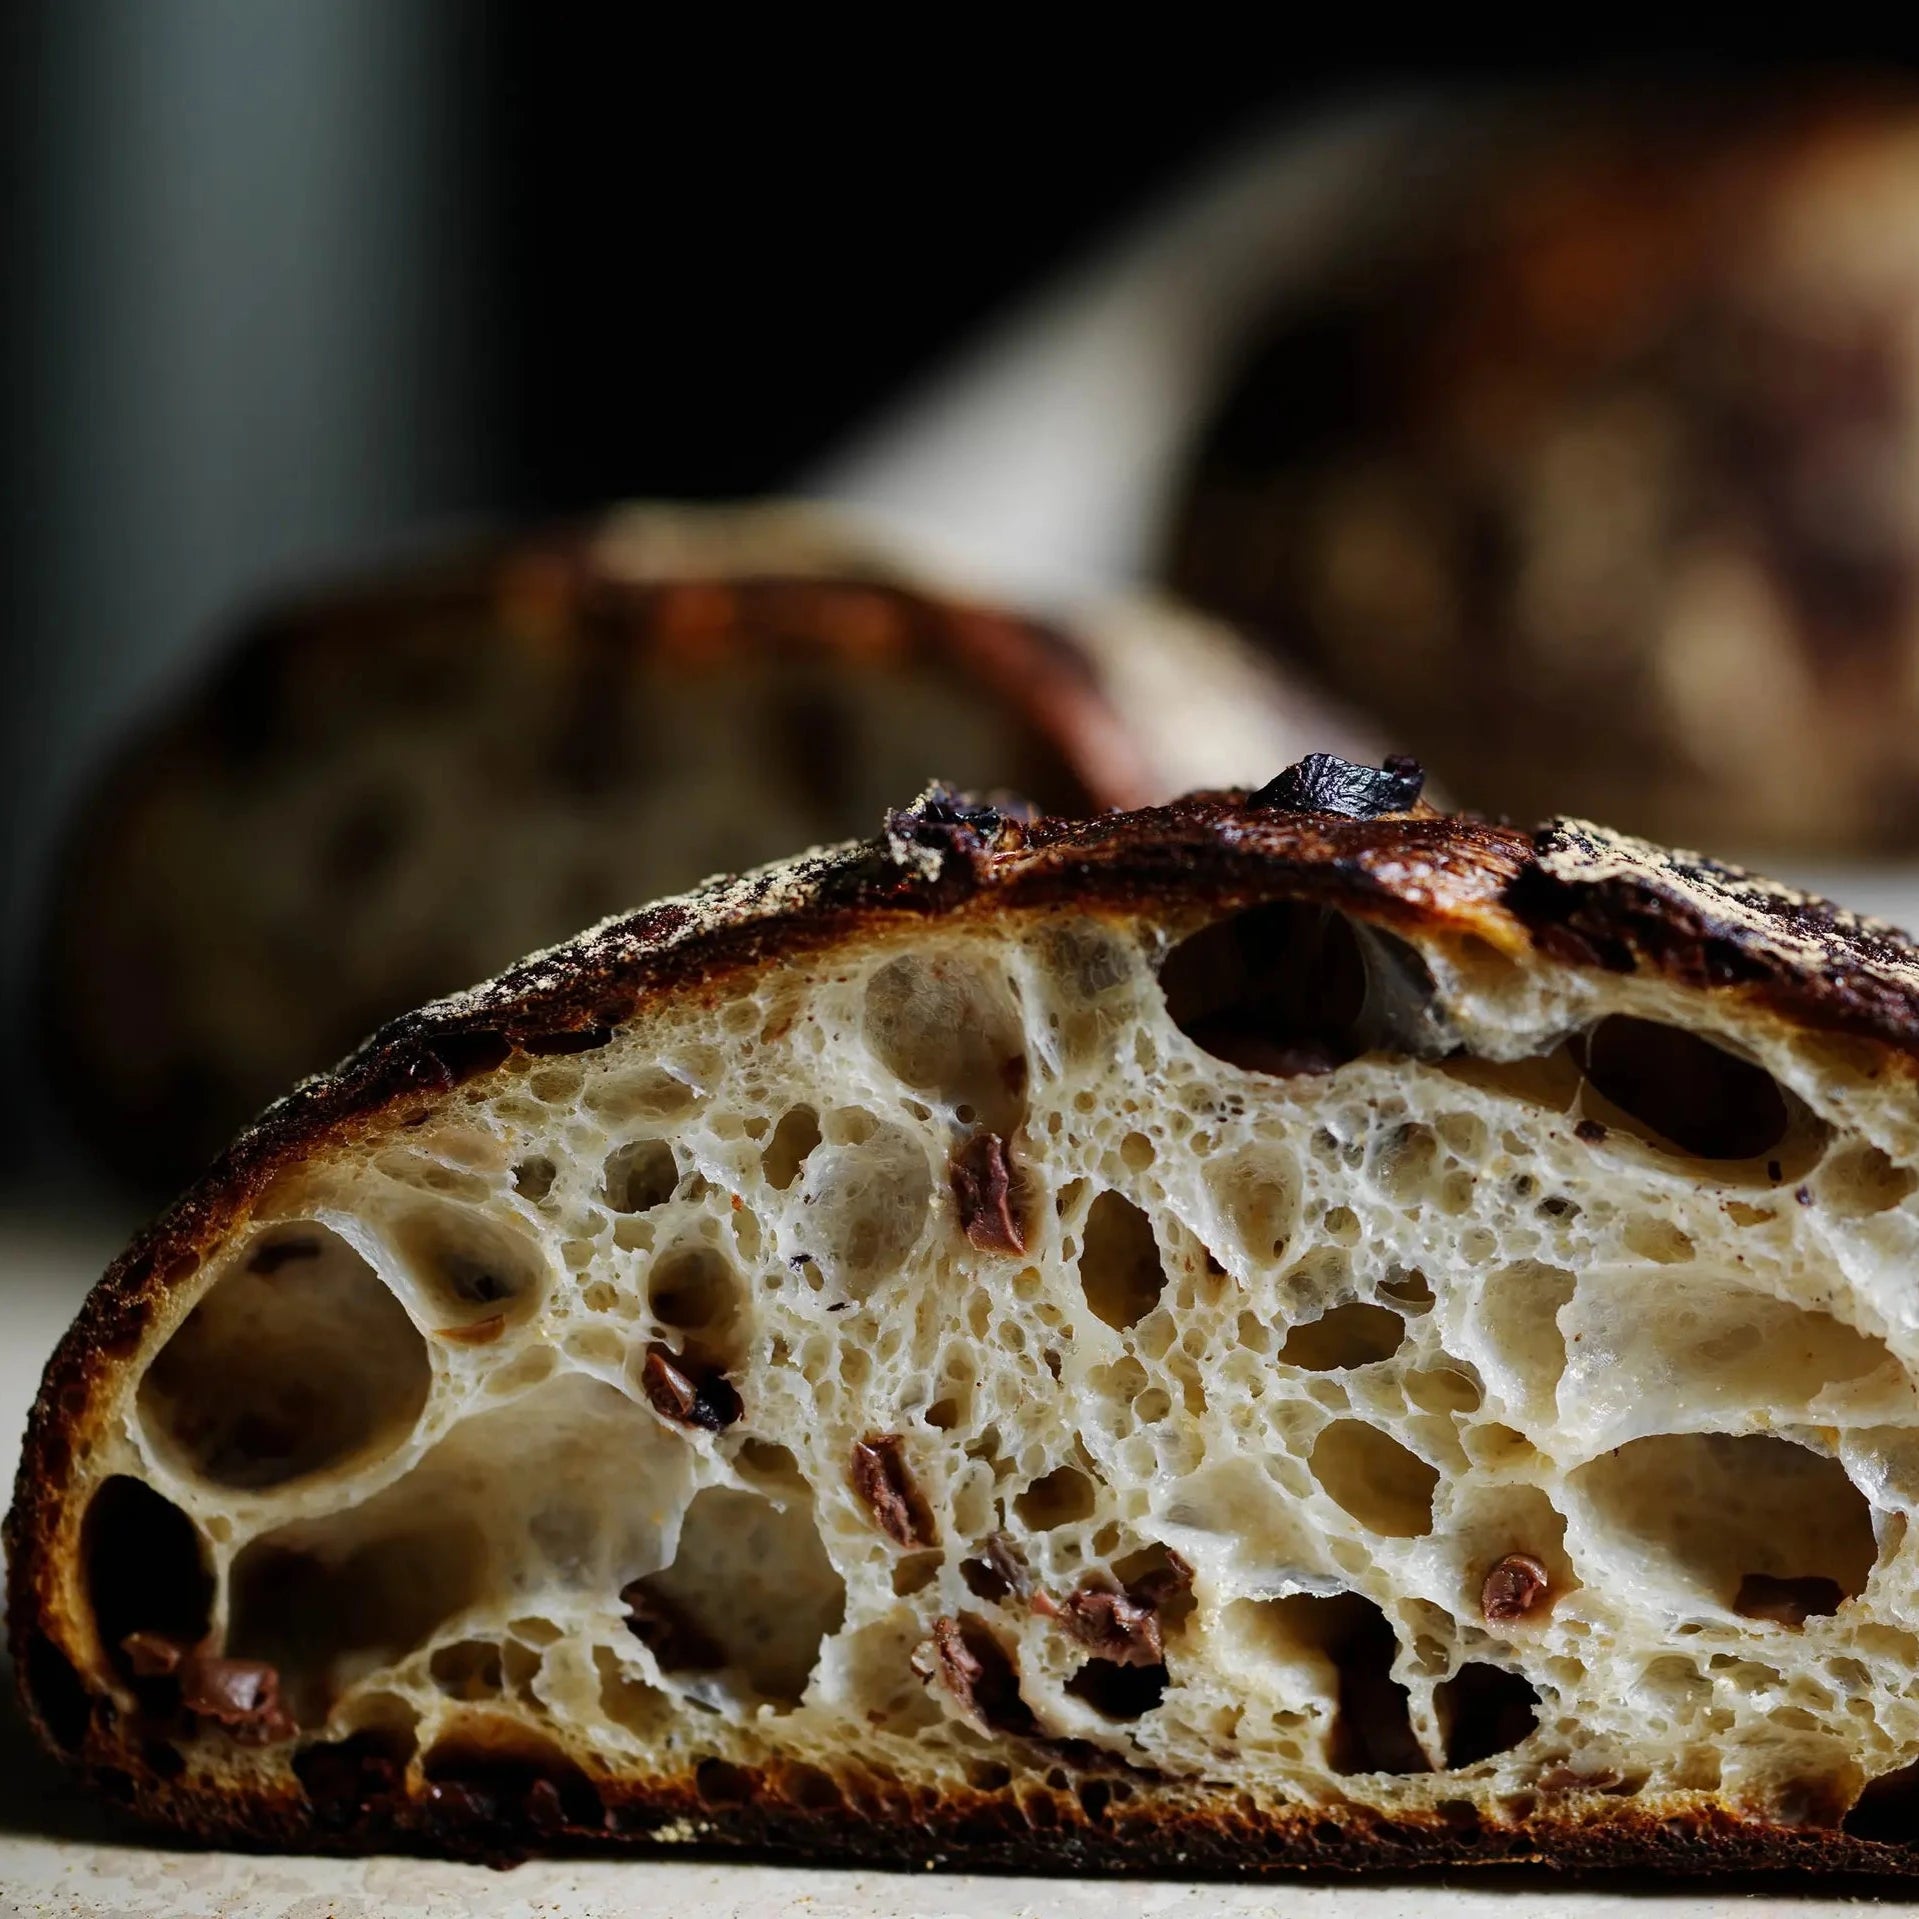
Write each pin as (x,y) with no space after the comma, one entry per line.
(811,232)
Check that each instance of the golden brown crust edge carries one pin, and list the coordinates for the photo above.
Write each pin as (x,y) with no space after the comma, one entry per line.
(1574,892)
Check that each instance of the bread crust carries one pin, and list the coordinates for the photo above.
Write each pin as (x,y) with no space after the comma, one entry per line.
(1585,896)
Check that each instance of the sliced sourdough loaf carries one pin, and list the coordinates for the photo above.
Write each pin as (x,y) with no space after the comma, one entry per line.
(1284,1329)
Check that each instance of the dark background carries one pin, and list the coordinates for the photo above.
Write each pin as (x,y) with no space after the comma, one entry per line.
(283,282)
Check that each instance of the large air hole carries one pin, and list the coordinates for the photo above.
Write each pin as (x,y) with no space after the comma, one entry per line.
(1295,988)
(1687,1094)
(533,1177)
(966,1660)
(1687,1348)
(1690,1518)
(567,1490)
(1888,1809)
(1508,1542)
(1405,1161)
(650,1093)
(1356,1334)
(867,1203)
(1368,1472)
(1116,1691)
(1483,1710)
(1092,975)
(58,1693)
(1862,1180)
(753,1584)
(951,1030)
(1347,1647)
(1119,1264)
(317,1619)
(794,1138)
(476,1278)
(468,1669)
(677,1642)
(693,1289)
(628,1702)
(1062,1497)
(297,1360)
(145,1571)
(640,1175)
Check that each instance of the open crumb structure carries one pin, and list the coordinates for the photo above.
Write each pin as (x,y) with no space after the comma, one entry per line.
(1270,1366)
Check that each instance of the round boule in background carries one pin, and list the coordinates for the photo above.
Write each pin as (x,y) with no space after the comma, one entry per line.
(1594,470)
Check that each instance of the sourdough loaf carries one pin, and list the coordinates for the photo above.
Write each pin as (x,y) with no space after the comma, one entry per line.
(1286,1329)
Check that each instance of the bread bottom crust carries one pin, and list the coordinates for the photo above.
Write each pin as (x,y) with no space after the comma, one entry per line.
(1030,1826)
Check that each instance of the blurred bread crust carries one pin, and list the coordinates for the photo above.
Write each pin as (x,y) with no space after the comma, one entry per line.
(1595,470)
(388,786)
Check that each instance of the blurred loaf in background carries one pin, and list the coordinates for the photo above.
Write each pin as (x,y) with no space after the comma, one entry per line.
(1593,469)
(392,787)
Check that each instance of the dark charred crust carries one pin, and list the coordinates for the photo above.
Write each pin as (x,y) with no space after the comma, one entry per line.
(1324,783)
(360,1803)
(885,1485)
(354,1781)
(63,1702)
(680,1390)
(944,821)
(1572,892)
(982,1182)
(539,1792)
(1590,897)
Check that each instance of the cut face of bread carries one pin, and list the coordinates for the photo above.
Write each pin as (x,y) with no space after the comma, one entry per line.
(1227,1336)
(392,789)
